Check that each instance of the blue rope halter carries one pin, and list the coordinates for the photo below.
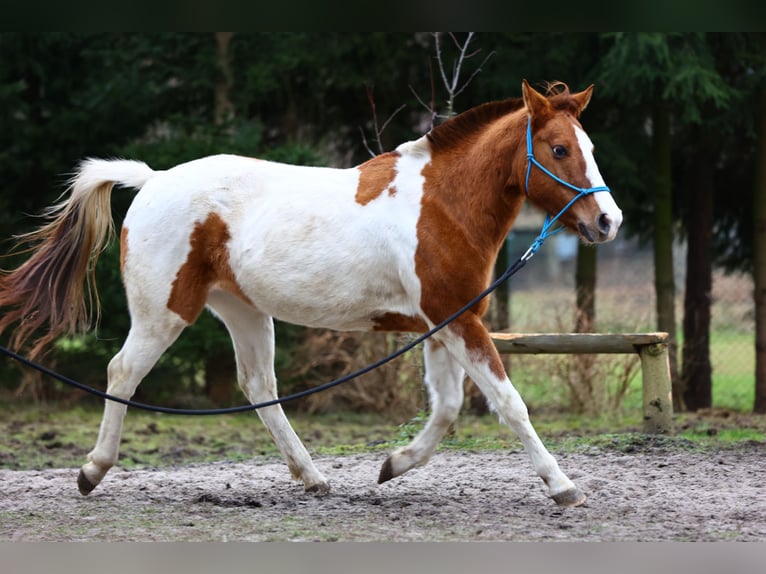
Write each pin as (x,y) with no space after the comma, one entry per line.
(546,231)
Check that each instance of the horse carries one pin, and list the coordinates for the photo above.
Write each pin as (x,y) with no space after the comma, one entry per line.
(397,243)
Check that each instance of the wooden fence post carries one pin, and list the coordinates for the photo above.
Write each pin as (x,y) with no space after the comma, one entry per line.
(652,348)
(657,393)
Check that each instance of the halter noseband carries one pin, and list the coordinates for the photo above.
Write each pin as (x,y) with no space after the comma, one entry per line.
(549,221)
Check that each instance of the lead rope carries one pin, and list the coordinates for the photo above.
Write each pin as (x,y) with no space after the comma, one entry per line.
(545,232)
(518,264)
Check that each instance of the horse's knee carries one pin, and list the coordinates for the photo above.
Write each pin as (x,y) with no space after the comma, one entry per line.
(450,408)
(509,406)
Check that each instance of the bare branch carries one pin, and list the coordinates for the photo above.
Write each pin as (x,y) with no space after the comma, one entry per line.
(391,117)
(437,47)
(459,63)
(425,105)
(371,99)
(378,129)
(366,145)
(475,73)
(452,84)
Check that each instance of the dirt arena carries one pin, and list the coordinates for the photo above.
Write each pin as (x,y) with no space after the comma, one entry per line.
(655,493)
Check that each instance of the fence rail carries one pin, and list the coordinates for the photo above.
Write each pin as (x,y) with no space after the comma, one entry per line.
(652,349)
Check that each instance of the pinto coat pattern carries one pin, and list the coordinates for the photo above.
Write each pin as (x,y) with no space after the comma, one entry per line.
(396,244)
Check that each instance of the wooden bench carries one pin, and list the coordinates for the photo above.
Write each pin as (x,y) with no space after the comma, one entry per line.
(652,348)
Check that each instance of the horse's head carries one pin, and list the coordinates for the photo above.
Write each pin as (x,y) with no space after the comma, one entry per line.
(561,166)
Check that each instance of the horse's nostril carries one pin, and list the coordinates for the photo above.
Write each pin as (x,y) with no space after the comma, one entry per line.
(604,223)
(585,233)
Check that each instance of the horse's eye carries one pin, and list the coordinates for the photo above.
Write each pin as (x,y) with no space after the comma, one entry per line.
(559,151)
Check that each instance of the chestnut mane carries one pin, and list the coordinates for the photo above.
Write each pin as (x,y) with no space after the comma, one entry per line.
(462,126)
(456,129)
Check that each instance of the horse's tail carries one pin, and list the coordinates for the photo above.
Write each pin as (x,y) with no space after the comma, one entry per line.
(56,285)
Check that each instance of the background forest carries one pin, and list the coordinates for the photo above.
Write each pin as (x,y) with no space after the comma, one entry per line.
(678,121)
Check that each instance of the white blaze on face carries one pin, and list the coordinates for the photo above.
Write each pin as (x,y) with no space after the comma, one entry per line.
(604,199)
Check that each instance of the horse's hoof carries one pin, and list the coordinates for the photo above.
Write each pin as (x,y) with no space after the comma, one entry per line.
(319,488)
(570,498)
(83,484)
(386,471)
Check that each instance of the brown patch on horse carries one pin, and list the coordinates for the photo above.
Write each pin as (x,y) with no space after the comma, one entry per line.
(457,246)
(207,266)
(399,323)
(375,176)
(472,193)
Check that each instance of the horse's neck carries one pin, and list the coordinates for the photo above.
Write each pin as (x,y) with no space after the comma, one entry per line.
(476,184)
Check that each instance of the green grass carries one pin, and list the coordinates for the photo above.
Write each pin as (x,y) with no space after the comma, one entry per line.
(732,355)
(540,378)
(630,308)
(35,438)
(710,436)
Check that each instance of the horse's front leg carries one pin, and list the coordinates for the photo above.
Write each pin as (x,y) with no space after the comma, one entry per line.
(444,379)
(471,344)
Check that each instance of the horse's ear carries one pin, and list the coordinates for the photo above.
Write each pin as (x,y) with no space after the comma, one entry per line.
(582,99)
(536,103)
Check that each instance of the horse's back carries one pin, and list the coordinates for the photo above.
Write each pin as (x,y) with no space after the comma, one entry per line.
(233,188)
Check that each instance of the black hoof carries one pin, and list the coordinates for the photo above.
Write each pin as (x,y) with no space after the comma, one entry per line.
(386,471)
(570,498)
(84,485)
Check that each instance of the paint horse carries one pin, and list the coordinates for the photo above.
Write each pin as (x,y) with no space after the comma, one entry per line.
(395,244)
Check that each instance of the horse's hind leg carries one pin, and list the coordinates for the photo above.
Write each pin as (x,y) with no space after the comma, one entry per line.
(253,336)
(147,340)
(444,378)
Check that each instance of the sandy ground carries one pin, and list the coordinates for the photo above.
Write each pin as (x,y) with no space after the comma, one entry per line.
(652,494)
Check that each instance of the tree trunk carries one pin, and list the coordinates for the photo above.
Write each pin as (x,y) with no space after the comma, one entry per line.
(223,109)
(585,289)
(590,395)
(664,283)
(220,364)
(697,371)
(759,265)
(221,376)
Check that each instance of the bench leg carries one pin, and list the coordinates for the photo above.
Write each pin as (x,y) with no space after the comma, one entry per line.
(658,401)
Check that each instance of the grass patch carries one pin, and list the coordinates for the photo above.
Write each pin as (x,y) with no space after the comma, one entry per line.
(732,355)
(36,438)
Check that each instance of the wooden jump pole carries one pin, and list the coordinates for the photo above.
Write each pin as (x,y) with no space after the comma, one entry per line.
(652,349)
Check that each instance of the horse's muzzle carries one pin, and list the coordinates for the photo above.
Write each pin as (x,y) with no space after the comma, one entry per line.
(602,229)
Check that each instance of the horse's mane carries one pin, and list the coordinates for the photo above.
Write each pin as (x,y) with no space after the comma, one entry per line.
(471,121)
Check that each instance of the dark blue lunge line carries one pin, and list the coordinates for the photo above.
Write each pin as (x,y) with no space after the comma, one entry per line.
(513,268)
